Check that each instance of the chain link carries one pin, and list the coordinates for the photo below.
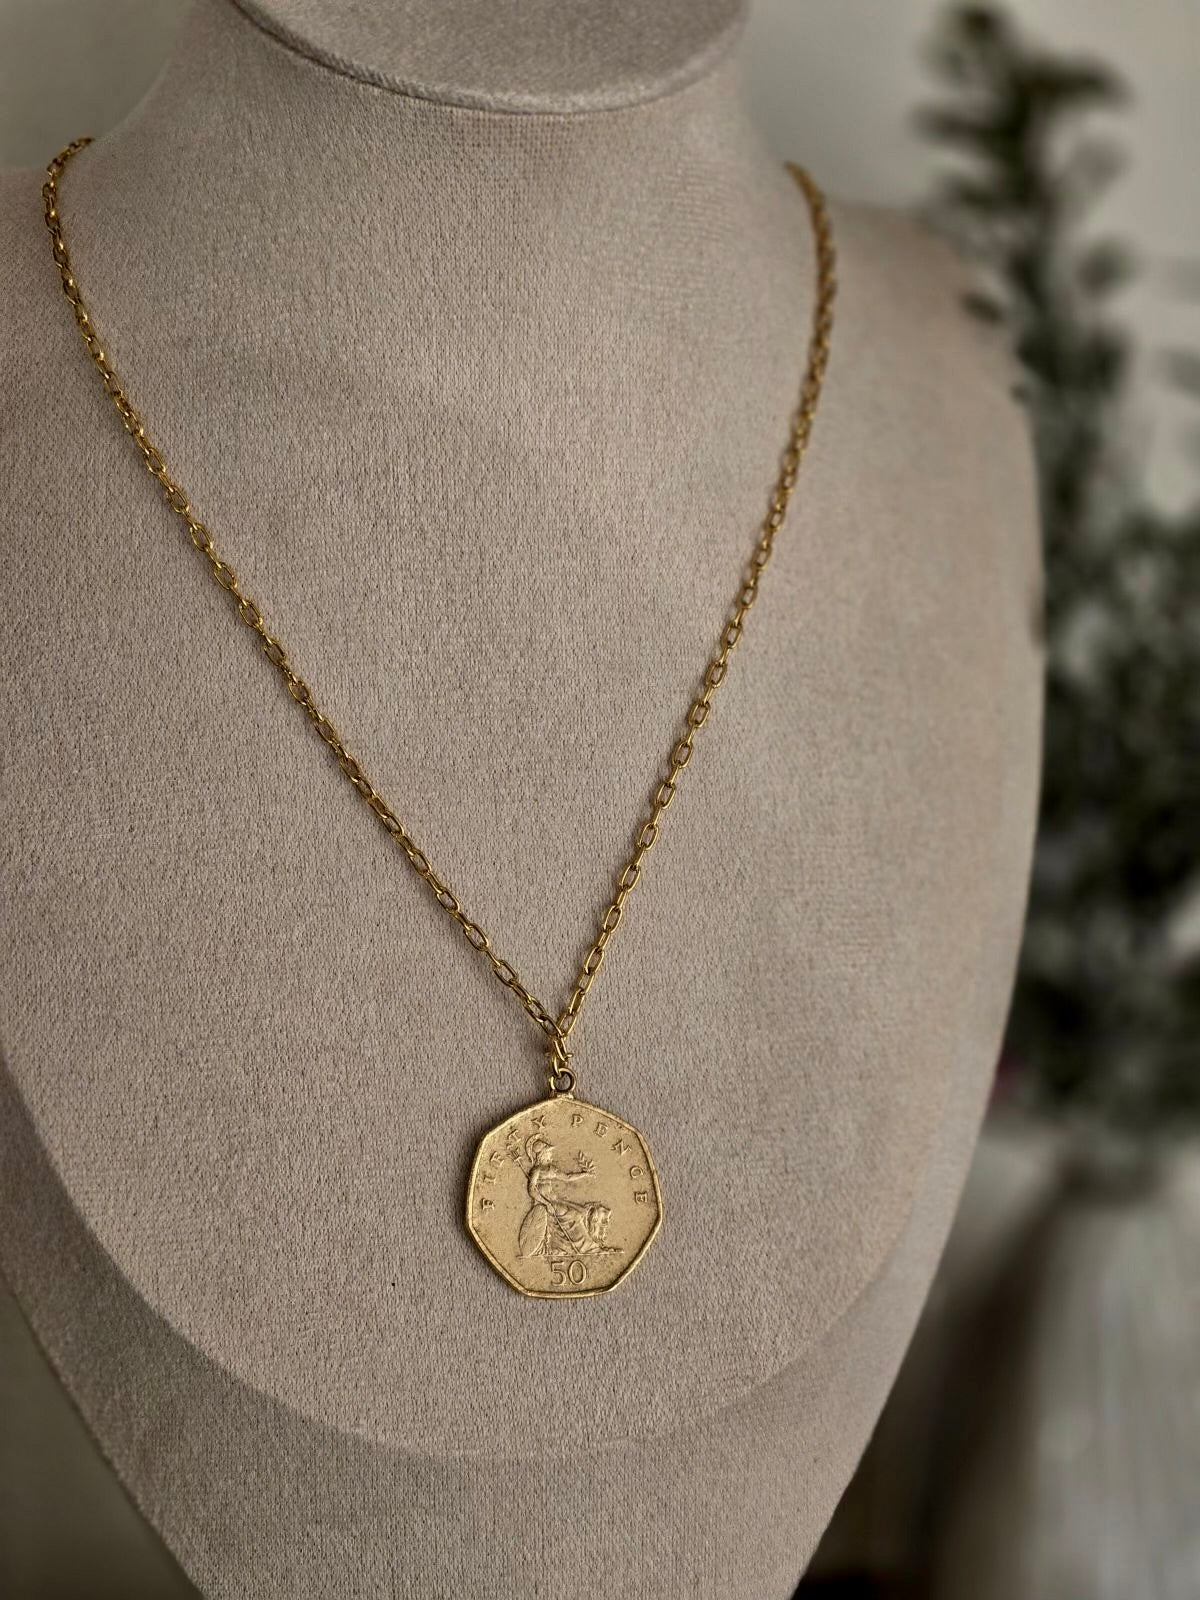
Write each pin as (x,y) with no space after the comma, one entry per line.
(555,1028)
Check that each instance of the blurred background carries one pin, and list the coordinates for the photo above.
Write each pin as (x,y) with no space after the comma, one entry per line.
(1043,1438)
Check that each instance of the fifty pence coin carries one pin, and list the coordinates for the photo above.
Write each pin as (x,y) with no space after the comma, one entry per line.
(563,1198)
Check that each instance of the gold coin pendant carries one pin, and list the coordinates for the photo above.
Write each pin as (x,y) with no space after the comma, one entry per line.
(563,1198)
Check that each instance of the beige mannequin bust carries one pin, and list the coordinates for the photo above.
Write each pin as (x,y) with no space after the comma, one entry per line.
(473,332)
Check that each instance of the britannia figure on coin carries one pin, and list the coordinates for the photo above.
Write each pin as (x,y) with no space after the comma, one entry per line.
(556,1222)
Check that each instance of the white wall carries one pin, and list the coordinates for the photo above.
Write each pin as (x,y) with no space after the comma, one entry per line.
(834,83)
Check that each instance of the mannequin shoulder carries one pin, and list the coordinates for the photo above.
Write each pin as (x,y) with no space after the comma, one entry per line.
(23,236)
(45,411)
(902,262)
(28,280)
(904,320)
(925,393)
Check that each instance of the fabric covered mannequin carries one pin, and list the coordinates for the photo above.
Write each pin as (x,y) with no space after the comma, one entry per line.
(473,332)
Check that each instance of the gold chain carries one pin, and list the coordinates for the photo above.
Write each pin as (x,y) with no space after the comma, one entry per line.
(556,1029)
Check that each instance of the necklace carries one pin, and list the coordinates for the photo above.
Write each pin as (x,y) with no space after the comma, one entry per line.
(554,1225)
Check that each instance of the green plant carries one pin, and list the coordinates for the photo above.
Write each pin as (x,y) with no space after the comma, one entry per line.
(1106,1016)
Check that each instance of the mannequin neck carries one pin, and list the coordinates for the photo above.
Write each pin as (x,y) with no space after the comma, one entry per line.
(246,151)
(510,55)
